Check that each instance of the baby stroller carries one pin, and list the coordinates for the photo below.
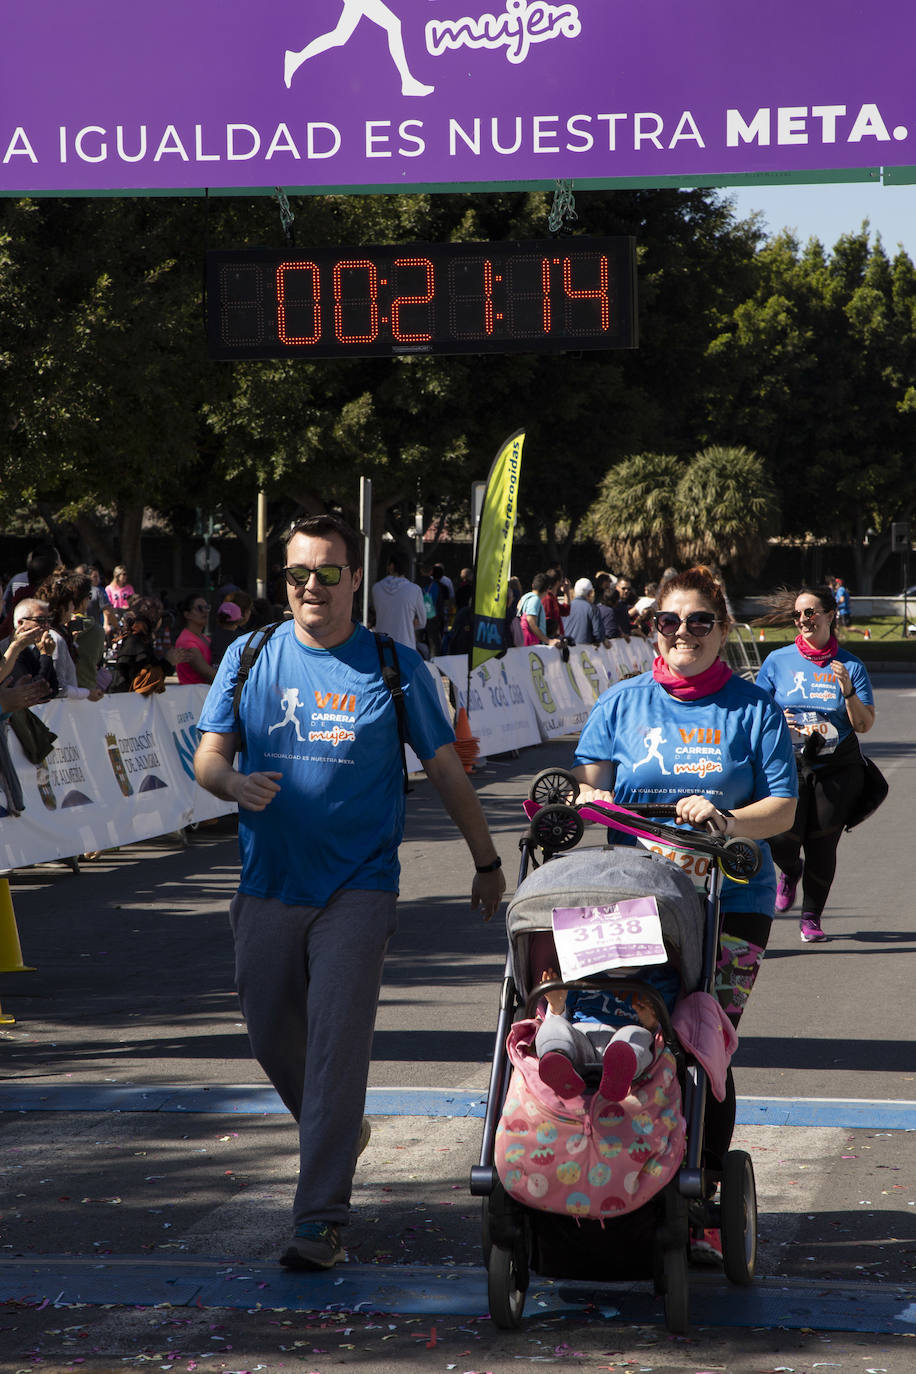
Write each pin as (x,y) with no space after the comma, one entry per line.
(584,1189)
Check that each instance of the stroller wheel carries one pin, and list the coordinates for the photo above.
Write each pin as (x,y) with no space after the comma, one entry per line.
(677,1291)
(507,1283)
(556,828)
(740,858)
(738,1217)
(554,787)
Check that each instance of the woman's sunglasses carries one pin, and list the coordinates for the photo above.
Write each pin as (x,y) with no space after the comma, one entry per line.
(327,574)
(699,623)
(809,613)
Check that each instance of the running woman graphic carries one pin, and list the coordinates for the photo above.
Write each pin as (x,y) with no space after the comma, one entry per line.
(651,740)
(353,11)
(290,703)
(799,680)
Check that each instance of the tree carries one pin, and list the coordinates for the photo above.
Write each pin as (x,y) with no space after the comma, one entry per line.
(814,371)
(725,510)
(634,515)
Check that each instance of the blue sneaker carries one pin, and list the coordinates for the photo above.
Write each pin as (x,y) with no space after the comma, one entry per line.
(315,1245)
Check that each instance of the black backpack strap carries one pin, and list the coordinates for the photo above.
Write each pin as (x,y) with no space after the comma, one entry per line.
(253,646)
(391,676)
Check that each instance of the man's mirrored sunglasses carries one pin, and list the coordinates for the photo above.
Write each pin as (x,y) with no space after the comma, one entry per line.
(327,574)
(699,623)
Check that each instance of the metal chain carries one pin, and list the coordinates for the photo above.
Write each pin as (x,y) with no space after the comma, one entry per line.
(286,215)
(563,211)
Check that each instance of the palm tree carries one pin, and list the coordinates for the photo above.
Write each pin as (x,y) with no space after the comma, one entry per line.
(633,515)
(726,508)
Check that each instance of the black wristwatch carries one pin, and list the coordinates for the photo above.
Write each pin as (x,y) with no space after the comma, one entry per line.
(490,868)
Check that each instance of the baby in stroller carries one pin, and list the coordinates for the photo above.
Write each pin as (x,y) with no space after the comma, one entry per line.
(569,1042)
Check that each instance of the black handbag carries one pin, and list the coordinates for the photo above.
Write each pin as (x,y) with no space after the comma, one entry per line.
(874,791)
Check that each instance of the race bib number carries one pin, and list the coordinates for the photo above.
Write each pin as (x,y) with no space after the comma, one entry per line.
(695,865)
(593,939)
(803,724)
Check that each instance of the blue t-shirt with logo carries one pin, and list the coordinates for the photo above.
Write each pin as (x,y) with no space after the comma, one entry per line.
(325,720)
(806,690)
(732,747)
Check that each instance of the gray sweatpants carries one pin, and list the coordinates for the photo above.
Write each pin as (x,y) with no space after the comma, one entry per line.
(308,979)
(584,1048)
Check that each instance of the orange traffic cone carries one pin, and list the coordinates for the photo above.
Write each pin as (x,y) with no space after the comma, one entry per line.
(761,636)
(10,949)
(867,633)
(467,745)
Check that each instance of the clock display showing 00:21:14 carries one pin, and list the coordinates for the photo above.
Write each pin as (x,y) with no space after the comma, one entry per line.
(540,296)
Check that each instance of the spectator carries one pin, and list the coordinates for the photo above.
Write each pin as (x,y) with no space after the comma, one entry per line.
(40,564)
(136,650)
(464,592)
(62,592)
(553,611)
(196,665)
(434,604)
(29,654)
(119,591)
(399,605)
(583,624)
(232,619)
(99,606)
(531,613)
(841,595)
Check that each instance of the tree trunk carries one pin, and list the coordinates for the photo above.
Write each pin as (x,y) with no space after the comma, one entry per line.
(96,542)
(59,536)
(130,524)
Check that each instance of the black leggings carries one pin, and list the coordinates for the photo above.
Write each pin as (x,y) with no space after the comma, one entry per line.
(826,797)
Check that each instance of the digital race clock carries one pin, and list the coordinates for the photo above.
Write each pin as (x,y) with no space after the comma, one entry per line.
(428,298)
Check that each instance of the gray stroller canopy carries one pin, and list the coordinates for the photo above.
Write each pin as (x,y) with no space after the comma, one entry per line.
(600,877)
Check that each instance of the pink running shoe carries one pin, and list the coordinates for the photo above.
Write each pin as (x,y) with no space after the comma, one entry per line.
(558,1073)
(785,891)
(810,929)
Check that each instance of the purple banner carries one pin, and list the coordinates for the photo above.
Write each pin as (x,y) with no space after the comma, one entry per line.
(186,94)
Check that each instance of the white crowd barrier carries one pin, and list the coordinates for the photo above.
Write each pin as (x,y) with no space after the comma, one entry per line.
(530,695)
(121,768)
(120,771)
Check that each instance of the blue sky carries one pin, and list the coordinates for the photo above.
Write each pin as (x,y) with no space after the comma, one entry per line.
(828,211)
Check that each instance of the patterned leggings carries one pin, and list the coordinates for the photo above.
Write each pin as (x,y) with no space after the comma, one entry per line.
(741,949)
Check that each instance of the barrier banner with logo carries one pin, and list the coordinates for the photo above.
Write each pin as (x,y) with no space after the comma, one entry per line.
(499,707)
(116,774)
(396,94)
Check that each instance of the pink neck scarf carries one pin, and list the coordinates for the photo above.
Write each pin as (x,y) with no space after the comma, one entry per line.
(819,656)
(704,684)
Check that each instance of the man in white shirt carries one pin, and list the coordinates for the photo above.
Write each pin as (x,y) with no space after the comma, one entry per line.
(399,608)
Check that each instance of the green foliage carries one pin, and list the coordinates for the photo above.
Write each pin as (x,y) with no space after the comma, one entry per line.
(725,510)
(634,517)
(654,510)
(113,406)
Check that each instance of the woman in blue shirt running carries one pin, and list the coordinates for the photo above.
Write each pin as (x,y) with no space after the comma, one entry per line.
(827,699)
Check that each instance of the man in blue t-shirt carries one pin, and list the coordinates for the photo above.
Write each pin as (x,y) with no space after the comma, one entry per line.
(321,813)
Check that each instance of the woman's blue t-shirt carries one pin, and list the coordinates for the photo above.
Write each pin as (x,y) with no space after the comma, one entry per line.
(732,747)
(325,720)
(799,685)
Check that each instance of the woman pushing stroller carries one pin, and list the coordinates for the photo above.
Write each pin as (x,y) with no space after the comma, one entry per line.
(693,734)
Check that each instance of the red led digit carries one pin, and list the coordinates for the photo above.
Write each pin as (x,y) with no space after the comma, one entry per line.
(545,289)
(283,304)
(488,297)
(356,264)
(404,336)
(600,293)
